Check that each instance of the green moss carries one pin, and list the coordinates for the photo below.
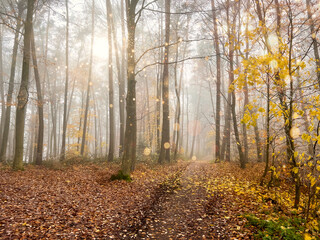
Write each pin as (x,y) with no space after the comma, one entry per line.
(121,176)
(283,228)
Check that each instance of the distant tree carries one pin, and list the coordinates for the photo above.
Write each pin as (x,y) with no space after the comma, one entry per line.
(85,120)
(65,106)
(39,149)
(218,64)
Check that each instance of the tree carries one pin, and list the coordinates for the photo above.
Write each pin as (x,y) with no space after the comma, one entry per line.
(84,132)
(39,150)
(130,140)
(6,128)
(23,92)
(111,100)
(65,106)
(122,81)
(232,39)
(3,108)
(165,133)
(218,64)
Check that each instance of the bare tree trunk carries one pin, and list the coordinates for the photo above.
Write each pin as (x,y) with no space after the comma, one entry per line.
(64,126)
(218,62)
(266,169)
(225,147)
(149,136)
(187,141)
(314,39)
(95,115)
(46,79)
(179,128)
(110,64)
(130,140)
(181,138)
(3,108)
(23,92)
(246,93)
(159,87)
(122,81)
(165,134)
(84,134)
(195,126)
(31,143)
(80,120)
(176,125)
(39,151)
(6,128)
(120,84)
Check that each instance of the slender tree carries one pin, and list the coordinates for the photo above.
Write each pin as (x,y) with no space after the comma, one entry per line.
(122,80)
(39,150)
(65,106)
(6,128)
(218,64)
(165,133)
(85,120)
(3,108)
(111,100)
(314,39)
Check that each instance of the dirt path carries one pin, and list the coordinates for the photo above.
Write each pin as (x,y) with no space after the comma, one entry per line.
(181,214)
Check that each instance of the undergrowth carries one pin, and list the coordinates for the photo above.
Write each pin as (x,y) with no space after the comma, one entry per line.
(121,176)
(280,228)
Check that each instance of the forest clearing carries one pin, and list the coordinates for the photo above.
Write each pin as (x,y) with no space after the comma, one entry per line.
(160,119)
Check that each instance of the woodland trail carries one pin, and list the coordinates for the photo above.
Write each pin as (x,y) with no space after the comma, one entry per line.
(182,214)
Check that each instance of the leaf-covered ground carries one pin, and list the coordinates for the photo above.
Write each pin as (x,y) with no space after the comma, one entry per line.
(76,203)
(188,200)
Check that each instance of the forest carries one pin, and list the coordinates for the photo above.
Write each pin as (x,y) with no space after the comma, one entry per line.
(160,119)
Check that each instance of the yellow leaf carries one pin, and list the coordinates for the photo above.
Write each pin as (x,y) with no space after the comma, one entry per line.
(307,236)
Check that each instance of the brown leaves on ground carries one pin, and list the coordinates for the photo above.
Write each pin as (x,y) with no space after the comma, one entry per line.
(196,200)
(79,202)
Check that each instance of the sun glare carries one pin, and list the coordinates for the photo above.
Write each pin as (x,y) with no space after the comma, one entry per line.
(100,47)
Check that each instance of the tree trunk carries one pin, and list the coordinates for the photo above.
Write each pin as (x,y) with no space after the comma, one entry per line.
(266,169)
(84,133)
(225,147)
(218,62)
(130,140)
(23,92)
(231,36)
(65,106)
(159,86)
(6,128)
(39,151)
(187,141)
(195,126)
(110,64)
(122,81)
(314,39)
(165,134)
(3,107)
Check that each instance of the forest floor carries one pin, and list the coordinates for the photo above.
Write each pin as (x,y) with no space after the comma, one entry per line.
(183,213)
(186,200)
